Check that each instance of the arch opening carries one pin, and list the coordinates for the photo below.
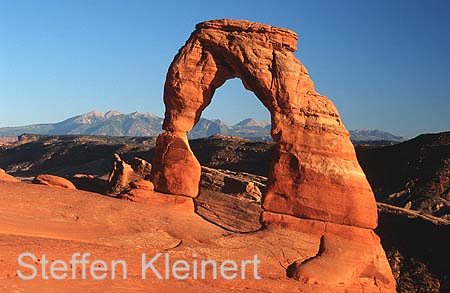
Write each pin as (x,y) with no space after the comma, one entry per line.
(236,163)
(233,111)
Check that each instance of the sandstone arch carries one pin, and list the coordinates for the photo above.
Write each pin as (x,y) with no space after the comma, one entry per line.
(315,173)
(316,185)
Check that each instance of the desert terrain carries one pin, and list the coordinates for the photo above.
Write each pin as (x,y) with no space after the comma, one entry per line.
(225,219)
(304,210)
(57,222)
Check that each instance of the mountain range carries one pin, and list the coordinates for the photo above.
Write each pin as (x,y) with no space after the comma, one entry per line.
(115,123)
(374,135)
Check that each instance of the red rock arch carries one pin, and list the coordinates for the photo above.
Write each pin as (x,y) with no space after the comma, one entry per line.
(315,173)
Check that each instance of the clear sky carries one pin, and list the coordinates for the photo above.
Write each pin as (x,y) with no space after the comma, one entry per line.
(385,64)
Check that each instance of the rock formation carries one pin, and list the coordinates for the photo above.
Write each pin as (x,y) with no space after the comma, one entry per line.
(120,176)
(315,179)
(141,167)
(6,177)
(233,183)
(315,173)
(52,180)
(125,178)
(140,190)
(142,184)
(175,169)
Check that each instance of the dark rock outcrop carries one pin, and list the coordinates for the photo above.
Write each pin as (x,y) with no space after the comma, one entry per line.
(417,247)
(414,174)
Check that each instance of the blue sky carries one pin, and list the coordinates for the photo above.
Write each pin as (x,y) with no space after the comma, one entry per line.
(385,64)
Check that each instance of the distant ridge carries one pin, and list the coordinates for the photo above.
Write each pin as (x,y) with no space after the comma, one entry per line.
(113,123)
(374,135)
(116,123)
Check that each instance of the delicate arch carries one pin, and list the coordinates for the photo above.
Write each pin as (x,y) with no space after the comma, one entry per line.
(314,173)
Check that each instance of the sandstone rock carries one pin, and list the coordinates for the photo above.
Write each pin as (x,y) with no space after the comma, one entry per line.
(175,169)
(121,175)
(141,167)
(314,177)
(142,184)
(228,211)
(347,255)
(231,183)
(52,180)
(314,173)
(141,195)
(6,177)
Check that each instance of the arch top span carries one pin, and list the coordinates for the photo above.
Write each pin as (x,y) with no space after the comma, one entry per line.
(261,56)
(274,35)
(314,172)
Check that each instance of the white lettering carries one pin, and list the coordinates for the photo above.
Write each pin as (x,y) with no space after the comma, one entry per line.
(146,266)
(99,266)
(58,266)
(183,268)
(26,265)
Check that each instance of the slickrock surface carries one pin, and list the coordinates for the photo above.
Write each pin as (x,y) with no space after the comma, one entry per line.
(52,180)
(228,211)
(77,221)
(403,233)
(346,255)
(6,177)
(315,173)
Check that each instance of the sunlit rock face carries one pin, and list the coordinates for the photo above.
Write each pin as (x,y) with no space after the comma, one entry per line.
(314,172)
(315,185)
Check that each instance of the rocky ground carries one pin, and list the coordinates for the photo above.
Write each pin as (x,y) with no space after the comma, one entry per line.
(412,175)
(58,222)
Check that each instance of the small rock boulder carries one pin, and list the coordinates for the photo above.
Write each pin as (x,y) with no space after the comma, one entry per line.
(53,180)
(142,184)
(141,167)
